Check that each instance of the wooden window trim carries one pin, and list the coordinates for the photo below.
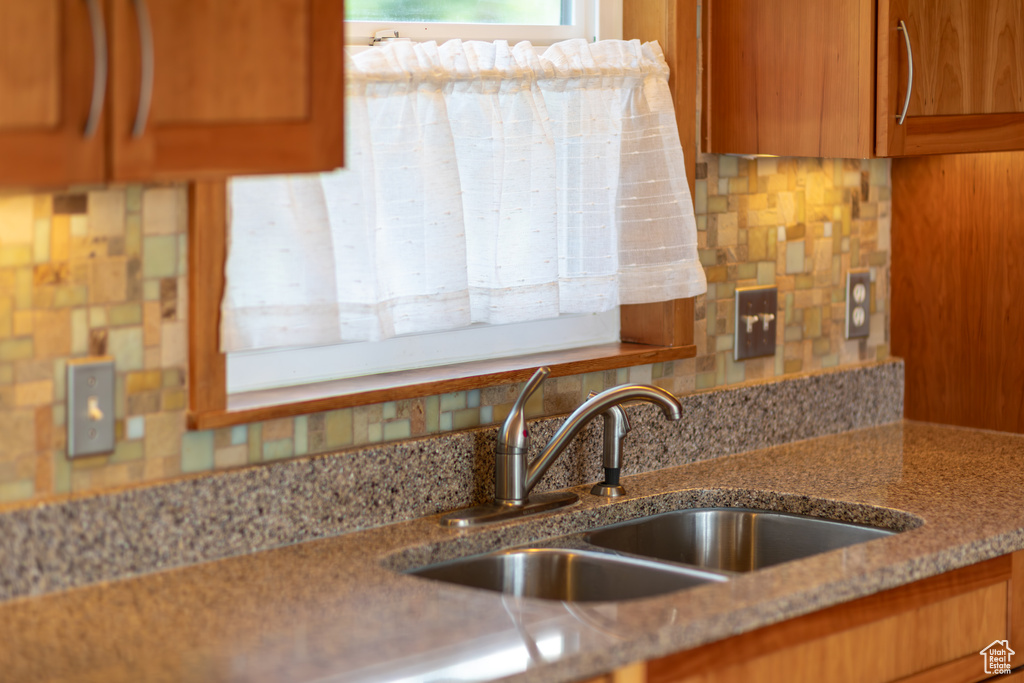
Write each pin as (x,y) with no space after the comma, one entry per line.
(650,333)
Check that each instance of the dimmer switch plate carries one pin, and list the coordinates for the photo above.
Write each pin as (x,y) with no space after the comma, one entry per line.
(858,304)
(90,407)
(756,310)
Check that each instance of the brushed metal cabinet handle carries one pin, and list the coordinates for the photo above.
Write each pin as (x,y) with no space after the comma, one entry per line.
(910,72)
(100,67)
(147,62)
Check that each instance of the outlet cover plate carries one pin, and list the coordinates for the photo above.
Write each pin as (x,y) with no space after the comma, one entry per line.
(858,304)
(762,302)
(88,434)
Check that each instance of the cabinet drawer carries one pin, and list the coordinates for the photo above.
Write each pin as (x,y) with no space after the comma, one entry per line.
(929,628)
(884,650)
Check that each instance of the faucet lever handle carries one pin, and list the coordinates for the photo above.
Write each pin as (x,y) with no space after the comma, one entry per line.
(532,385)
(514,435)
(512,446)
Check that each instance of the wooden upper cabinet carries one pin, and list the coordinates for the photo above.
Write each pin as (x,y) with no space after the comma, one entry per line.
(829,79)
(48,69)
(208,88)
(967,91)
(789,77)
(189,89)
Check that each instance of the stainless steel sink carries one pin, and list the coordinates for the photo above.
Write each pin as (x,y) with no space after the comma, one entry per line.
(570,575)
(653,555)
(731,539)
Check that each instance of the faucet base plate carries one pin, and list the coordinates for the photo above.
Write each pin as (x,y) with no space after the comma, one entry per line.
(493,512)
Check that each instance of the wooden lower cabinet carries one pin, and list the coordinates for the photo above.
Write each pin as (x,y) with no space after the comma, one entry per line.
(931,630)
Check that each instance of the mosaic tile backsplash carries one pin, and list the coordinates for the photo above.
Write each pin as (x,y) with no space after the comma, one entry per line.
(103,272)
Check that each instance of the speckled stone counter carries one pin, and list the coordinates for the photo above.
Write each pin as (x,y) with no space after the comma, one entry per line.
(66,543)
(336,609)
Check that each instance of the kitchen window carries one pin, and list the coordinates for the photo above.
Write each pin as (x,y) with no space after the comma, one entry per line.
(666,324)
(542,22)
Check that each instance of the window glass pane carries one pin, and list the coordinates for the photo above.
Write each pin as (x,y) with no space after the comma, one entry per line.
(533,12)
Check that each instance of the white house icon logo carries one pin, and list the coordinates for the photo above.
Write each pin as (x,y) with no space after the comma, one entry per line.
(997,657)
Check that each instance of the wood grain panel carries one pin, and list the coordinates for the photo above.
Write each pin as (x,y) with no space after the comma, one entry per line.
(705,66)
(1016,611)
(791,77)
(665,323)
(888,85)
(968,669)
(207,254)
(1002,40)
(957,278)
(899,646)
(982,586)
(968,86)
(234,61)
(214,144)
(940,35)
(30,70)
(631,673)
(969,56)
(46,77)
(958,134)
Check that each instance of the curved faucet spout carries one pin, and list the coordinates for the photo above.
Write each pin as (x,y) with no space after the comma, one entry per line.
(597,405)
(513,480)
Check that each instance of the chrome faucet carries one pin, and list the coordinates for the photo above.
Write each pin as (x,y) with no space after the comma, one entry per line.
(514,479)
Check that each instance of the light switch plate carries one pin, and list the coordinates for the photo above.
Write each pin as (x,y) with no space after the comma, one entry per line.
(858,304)
(756,311)
(90,407)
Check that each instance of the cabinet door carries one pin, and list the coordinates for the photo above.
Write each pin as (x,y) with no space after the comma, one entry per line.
(206,88)
(967,92)
(47,73)
(789,77)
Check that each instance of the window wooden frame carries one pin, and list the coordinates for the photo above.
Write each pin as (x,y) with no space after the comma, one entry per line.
(650,333)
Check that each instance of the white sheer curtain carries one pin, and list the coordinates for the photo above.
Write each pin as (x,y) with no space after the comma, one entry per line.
(484,184)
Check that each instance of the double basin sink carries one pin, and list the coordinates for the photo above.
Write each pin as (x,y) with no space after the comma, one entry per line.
(654,555)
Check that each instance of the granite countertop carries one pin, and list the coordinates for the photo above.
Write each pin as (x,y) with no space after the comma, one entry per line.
(335,609)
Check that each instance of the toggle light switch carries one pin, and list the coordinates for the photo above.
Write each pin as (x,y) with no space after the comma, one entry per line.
(90,407)
(95,414)
(756,308)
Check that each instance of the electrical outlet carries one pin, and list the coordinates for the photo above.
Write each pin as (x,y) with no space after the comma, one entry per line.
(756,309)
(858,304)
(90,407)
